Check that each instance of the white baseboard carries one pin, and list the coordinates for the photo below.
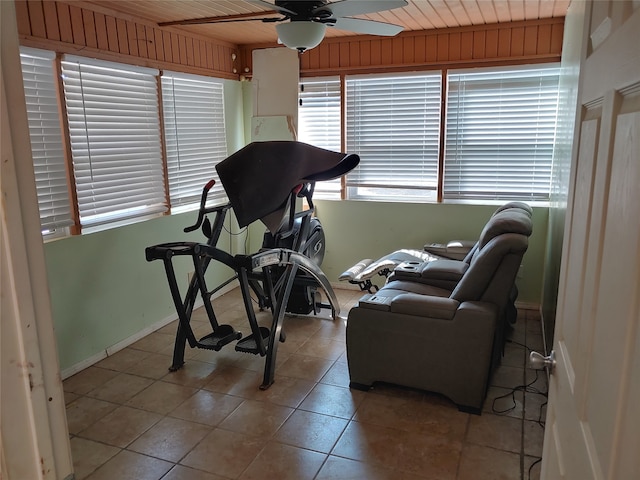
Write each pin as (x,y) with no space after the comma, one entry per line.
(68,372)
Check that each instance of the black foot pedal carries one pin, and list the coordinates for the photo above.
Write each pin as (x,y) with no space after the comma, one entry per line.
(249,345)
(215,341)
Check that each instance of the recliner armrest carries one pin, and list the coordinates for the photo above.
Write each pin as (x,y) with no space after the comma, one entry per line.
(448,270)
(439,273)
(454,249)
(424,306)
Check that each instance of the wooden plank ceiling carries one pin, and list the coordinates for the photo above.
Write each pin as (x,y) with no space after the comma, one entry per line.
(417,15)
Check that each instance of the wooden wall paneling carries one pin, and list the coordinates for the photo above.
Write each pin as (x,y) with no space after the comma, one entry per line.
(442,53)
(408,50)
(228,64)
(64,22)
(196,53)
(386,52)
(334,55)
(159,43)
(531,40)
(466,45)
(77,25)
(141,40)
(215,58)
(431,48)
(325,56)
(311,60)
(36,18)
(397,50)
(504,42)
(182,42)
(51,20)
(132,38)
(419,49)
(190,53)
(479,40)
(491,43)
(208,51)
(544,39)
(175,48)
(454,46)
(123,39)
(112,34)
(225,58)
(517,41)
(80,24)
(22,18)
(557,30)
(101,31)
(344,57)
(365,53)
(166,40)
(354,54)
(149,38)
(89,26)
(203,53)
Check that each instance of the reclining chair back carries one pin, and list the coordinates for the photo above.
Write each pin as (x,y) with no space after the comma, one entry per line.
(520,206)
(495,263)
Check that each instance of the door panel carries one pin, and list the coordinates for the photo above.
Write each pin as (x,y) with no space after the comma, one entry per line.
(593,419)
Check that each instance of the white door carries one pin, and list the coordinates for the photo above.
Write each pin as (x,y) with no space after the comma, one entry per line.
(593,418)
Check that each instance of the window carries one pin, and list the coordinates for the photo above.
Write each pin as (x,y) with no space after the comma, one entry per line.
(41,97)
(319,123)
(494,137)
(500,133)
(194,135)
(393,123)
(113,111)
(114,129)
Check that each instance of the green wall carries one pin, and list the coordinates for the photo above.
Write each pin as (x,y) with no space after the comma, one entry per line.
(356,230)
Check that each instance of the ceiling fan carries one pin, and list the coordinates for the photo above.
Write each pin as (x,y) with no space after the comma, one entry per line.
(302,23)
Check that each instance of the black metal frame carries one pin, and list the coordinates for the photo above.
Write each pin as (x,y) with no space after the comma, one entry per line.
(254,273)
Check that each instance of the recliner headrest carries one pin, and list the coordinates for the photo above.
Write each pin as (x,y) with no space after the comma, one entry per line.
(507,221)
(518,205)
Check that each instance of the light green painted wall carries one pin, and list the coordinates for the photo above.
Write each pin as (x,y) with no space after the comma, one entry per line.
(103,290)
(356,230)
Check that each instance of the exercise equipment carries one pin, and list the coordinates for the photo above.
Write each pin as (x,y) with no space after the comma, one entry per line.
(285,274)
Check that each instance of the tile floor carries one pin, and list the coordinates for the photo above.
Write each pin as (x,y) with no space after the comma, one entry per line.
(129,418)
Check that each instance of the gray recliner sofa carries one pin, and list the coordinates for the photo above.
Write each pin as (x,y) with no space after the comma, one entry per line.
(438,325)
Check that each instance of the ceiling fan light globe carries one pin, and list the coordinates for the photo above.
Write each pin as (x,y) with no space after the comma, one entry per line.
(301,35)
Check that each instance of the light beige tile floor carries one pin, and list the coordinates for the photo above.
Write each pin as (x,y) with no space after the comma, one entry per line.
(130,418)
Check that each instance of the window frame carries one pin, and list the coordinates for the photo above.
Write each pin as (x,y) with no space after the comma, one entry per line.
(442,196)
(157,146)
(56,209)
(499,133)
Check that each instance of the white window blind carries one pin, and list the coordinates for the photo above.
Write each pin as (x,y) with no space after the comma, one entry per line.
(38,74)
(393,123)
(114,129)
(195,137)
(319,123)
(500,133)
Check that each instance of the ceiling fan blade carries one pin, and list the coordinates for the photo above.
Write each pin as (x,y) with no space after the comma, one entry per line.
(370,27)
(243,17)
(348,8)
(272,6)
